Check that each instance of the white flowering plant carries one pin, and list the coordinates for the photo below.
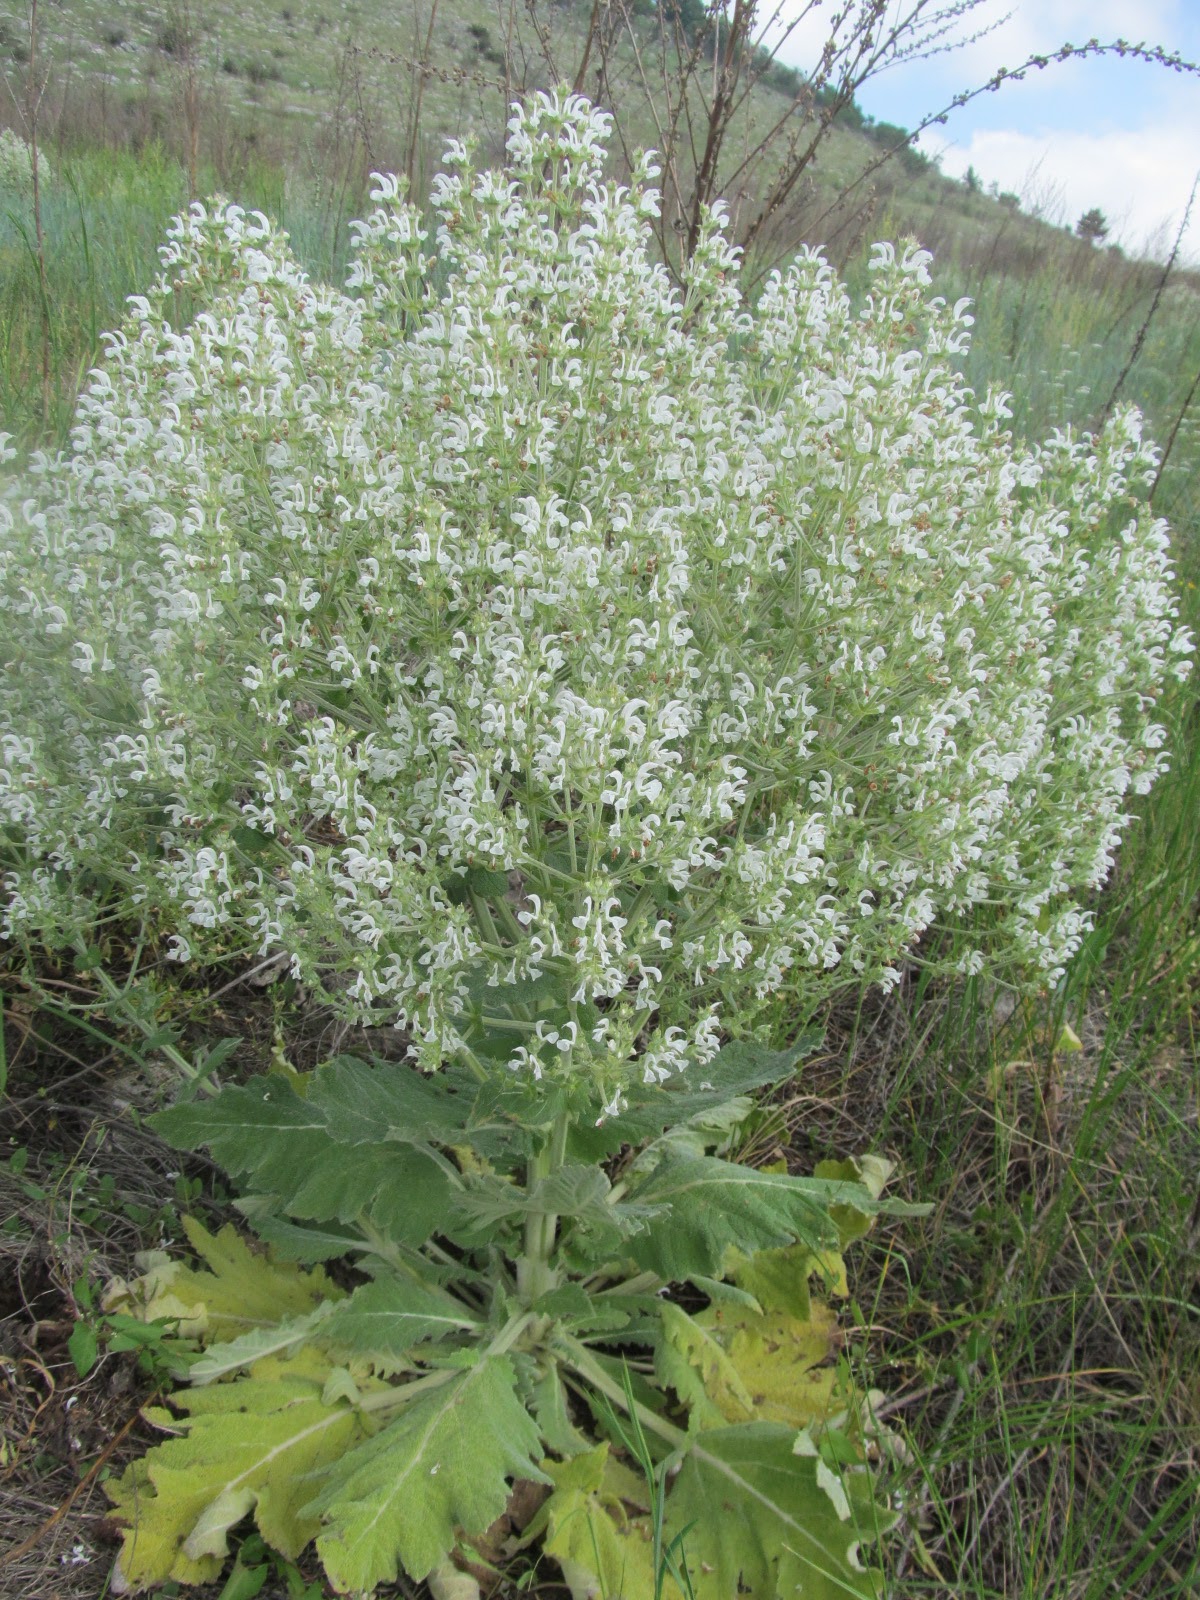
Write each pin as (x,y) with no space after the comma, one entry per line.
(16,163)
(573,671)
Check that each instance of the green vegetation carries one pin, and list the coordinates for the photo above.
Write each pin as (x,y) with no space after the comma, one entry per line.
(1036,1335)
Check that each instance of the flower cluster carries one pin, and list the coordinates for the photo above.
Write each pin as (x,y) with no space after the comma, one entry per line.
(515,614)
(16,163)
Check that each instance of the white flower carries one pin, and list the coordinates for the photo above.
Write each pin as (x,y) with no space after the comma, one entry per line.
(534,621)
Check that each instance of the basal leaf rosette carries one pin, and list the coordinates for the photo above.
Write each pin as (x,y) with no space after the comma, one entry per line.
(553,661)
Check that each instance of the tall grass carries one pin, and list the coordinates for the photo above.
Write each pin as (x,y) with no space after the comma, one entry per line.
(104,215)
(1039,1334)
(1056,322)
(1046,1320)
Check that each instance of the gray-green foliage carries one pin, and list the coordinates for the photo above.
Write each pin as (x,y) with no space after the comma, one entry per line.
(388,1423)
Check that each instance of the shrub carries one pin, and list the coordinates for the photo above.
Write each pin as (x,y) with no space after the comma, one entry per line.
(16,163)
(558,620)
(555,663)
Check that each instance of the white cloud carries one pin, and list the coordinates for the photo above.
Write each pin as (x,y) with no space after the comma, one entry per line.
(1139,178)
(1087,133)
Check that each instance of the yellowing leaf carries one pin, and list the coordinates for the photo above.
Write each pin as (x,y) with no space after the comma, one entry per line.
(242,1289)
(247,1445)
(1068,1042)
(868,1172)
(779,1279)
(777,1359)
(603,1544)
(693,1363)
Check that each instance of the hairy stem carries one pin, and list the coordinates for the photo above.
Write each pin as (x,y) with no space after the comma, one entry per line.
(581,1361)
(535,1275)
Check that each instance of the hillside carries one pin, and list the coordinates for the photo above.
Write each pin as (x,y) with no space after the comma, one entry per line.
(329,92)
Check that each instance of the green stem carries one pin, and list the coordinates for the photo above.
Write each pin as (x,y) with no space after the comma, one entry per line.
(396,1398)
(118,998)
(535,1275)
(473,1064)
(644,1283)
(589,1369)
(483,917)
(508,919)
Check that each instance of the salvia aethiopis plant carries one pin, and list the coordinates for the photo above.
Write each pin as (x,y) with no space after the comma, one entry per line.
(559,666)
(16,163)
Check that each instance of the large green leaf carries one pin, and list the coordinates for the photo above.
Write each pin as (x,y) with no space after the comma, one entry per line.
(261,1130)
(249,1445)
(762,1520)
(388,1317)
(276,1143)
(441,1467)
(364,1103)
(735,1070)
(714,1204)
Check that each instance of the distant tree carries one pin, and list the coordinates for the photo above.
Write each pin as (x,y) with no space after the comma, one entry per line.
(971,179)
(1092,225)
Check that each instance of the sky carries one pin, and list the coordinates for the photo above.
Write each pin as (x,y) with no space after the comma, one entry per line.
(1116,134)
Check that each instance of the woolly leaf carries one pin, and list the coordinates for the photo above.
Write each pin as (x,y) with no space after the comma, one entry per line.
(280,1339)
(572,1191)
(405,1193)
(252,1444)
(442,1466)
(548,1402)
(364,1104)
(734,1071)
(605,1552)
(242,1289)
(757,1523)
(580,1195)
(276,1143)
(387,1317)
(693,1363)
(715,1204)
(290,1241)
(261,1130)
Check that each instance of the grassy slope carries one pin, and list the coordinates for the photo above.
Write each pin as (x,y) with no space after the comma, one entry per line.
(1039,1331)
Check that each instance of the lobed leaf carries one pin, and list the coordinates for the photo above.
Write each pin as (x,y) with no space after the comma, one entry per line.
(248,1445)
(778,1360)
(716,1204)
(239,1289)
(758,1521)
(442,1465)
